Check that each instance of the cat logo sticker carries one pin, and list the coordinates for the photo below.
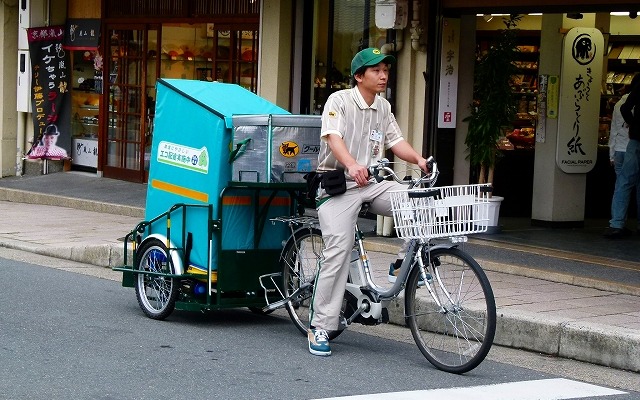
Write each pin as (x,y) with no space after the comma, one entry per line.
(289,149)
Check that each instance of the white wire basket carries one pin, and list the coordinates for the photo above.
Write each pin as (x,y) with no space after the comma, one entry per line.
(440,212)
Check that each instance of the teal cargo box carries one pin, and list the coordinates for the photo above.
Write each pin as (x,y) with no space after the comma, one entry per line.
(244,229)
(190,153)
(275,148)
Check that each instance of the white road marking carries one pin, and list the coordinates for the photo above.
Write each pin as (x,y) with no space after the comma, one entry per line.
(542,389)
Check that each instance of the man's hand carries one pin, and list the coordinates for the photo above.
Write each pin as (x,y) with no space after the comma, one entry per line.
(359,174)
(423,165)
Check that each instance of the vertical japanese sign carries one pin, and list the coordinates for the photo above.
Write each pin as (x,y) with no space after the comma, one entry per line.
(541,123)
(448,96)
(50,97)
(579,106)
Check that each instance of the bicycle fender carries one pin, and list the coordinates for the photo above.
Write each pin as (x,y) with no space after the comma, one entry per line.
(176,260)
(443,246)
(291,238)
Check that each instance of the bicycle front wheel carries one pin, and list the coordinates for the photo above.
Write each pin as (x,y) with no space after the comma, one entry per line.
(453,317)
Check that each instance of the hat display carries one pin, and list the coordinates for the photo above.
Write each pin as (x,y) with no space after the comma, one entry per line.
(51,130)
(368,57)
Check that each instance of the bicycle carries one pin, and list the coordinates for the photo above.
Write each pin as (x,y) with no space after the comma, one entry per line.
(448,300)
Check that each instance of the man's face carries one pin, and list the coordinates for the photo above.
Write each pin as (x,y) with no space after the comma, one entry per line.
(50,140)
(374,78)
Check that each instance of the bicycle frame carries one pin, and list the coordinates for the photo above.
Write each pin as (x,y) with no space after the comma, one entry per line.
(373,298)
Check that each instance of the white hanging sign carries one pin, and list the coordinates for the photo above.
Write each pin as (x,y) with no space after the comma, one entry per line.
(448,96)
(579,106)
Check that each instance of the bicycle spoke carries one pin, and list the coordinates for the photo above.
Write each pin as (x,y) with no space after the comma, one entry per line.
(454,323)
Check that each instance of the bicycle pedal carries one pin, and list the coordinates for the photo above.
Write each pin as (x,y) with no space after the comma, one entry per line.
(275,305)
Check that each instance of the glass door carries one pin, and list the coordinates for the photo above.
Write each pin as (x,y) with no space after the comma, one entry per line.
(129,107)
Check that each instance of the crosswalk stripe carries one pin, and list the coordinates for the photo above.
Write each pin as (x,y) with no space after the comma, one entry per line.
(541,389)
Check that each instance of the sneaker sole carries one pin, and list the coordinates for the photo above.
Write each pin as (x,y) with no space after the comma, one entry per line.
(319,353)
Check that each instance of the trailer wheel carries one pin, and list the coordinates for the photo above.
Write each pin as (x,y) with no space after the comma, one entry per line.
(156,293)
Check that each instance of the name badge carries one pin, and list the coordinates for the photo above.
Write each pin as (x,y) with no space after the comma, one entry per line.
(375,135)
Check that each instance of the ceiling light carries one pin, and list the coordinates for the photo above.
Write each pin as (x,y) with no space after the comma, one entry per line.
(487,17)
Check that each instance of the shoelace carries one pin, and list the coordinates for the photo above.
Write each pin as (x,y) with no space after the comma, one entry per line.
(321,336)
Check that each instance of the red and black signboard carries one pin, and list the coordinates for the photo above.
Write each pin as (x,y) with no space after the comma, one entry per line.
(50,97)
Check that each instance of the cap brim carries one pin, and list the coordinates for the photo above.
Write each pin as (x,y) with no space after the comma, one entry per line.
(386,58)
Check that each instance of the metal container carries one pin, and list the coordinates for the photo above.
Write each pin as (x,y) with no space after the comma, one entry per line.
(275,148)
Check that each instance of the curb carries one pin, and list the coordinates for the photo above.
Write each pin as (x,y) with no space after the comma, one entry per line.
(20,196)
(107,255)
(593,343)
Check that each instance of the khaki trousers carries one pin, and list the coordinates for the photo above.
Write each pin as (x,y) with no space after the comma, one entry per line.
(338,217)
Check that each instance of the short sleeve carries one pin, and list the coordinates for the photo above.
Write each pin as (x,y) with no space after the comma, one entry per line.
(333,116)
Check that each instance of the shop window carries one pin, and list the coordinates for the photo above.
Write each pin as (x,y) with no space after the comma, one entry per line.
(137,56)
(350,28)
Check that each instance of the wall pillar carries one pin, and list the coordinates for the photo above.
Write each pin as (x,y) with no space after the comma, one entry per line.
(467,59)
(8,87)
(275,52)
(558,197)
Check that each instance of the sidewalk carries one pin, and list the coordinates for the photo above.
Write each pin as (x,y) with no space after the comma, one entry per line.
(585,308)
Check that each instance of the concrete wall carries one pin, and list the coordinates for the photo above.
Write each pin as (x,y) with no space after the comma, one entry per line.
(410,91)
(8,87)
(274,69)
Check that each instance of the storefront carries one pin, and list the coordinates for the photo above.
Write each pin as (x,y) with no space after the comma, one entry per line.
(526,174)
(113,85)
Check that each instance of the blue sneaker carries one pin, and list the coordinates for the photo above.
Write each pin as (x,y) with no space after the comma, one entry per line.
(319,342)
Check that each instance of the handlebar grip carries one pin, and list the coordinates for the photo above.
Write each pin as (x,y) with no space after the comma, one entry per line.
(424,193)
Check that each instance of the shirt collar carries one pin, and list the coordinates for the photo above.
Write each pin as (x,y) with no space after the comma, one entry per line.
(357,97)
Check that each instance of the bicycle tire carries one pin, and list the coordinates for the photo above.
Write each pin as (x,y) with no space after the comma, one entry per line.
(156,294)
(457,336)
(300,260)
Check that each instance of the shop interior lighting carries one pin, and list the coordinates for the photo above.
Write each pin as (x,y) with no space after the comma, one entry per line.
(487,17)
(631,14)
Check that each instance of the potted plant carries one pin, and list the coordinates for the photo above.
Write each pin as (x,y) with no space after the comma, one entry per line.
(493,108)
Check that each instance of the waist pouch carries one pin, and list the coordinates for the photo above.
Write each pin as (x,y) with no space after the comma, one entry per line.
(334,182)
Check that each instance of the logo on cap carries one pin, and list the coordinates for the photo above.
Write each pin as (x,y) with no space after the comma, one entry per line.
(376,51)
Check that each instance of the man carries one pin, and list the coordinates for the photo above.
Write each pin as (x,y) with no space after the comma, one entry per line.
(357,126)
(47,147)
(630,171)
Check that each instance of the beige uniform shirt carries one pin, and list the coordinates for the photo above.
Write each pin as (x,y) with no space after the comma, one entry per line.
(366,130)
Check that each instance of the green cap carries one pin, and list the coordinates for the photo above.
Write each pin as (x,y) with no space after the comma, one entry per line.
(369,57)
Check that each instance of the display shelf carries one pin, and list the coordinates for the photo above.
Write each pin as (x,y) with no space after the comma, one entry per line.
(524,84)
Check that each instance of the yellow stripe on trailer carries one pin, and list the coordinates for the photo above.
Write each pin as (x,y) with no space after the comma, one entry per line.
(197,271)
(180,190)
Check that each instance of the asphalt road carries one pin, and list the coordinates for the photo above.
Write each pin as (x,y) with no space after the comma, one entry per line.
(66,335)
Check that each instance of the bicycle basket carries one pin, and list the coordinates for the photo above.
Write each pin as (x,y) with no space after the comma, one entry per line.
(440,212)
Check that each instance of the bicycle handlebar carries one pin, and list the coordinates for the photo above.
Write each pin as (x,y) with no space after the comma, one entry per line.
(383,165)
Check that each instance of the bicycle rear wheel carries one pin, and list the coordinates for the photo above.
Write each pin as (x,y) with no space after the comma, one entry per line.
(300,262)
(456,335)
